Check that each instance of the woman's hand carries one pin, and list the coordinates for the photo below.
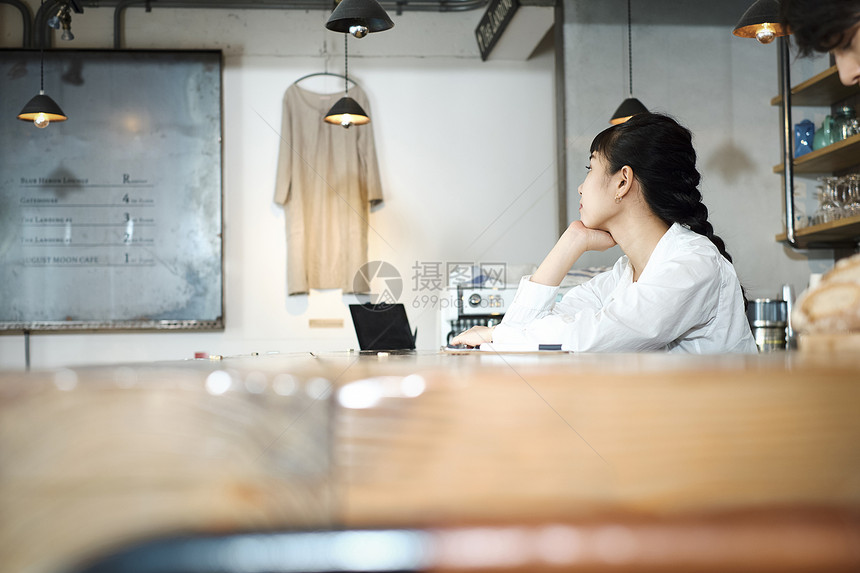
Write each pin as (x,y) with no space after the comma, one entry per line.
(575,240)
(475,336)
(593,239)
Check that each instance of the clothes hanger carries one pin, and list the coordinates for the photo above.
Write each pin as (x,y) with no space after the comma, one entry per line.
(325,72)
(341,76)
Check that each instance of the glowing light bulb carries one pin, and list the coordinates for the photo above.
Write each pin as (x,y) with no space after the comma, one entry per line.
(765,34)
(346,120)
(41,121)
(358,31)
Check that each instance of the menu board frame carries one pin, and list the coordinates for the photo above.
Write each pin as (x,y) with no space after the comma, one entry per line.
(112,220)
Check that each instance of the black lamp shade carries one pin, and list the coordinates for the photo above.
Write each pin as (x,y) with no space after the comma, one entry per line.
(761,21)
(42,104)
(367,13)
(347,112)
(628,108)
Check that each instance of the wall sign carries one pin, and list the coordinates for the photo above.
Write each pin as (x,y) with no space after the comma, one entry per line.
(498,15)
(112,219)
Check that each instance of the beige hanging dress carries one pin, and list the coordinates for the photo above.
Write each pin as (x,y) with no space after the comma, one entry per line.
(327,178)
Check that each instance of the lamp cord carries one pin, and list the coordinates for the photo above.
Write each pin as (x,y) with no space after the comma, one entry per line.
(629,49)
(345,66)
(42,60)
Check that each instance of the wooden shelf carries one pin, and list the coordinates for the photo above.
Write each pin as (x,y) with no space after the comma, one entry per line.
(843,231)
(835,157)
(820,90)
(825,89)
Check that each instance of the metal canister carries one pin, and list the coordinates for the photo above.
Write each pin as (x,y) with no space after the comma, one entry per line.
(768,319)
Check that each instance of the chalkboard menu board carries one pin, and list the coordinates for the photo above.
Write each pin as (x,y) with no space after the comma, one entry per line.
(112,219)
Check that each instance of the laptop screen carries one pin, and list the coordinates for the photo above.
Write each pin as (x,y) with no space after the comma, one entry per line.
(382,327)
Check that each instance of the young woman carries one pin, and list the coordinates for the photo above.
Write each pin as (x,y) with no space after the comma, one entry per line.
(827,26)
(674,290)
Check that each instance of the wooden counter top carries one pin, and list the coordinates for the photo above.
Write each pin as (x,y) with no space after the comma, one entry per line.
(96,458)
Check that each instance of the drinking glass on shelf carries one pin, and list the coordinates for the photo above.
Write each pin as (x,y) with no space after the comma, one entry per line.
(834,188)
(840,193)
(852,201)
(823,211)
(829,208)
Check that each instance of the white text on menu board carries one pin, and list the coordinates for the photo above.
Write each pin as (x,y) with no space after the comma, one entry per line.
(71,222)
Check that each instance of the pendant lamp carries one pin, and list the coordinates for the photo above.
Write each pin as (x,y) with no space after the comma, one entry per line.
(42,110)
(359,18)
(346,110)
(761,21)
(630,106)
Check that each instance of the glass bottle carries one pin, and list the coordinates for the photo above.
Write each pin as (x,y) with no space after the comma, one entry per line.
(843,123)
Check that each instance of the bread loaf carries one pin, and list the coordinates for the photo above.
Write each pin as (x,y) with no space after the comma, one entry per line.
(833,305)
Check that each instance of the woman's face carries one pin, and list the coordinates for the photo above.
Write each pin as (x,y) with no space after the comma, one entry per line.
(848,57)
(597,199)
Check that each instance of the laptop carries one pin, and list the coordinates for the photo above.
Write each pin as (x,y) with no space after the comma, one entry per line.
(382,327)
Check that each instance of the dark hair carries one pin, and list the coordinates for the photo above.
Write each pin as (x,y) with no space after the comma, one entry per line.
(819,25)
(660,152)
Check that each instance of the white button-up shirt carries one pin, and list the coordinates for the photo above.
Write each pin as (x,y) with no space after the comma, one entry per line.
(687,299)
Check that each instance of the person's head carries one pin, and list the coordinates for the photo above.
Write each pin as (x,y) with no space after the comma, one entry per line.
(659,154)
(827,26)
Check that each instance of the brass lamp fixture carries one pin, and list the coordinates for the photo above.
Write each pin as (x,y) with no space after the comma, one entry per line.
(630,106)
(761,21)
(41,109)
(359,18)
(346,111)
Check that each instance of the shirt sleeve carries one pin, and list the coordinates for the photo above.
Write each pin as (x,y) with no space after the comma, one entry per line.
(285,156)
(368,162)
(612,313)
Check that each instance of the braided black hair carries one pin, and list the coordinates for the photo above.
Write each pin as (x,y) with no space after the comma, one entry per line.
(660,152)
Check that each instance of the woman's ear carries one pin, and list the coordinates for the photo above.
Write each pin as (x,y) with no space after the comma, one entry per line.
(625,181)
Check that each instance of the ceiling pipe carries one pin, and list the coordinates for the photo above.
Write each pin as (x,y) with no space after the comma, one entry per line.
(423,6)
(122,5)
(27,18)
(44,38)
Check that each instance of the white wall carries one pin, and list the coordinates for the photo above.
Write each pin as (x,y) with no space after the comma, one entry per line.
(466,150)
(687,63)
